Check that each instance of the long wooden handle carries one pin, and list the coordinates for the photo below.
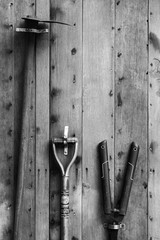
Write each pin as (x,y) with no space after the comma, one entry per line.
(128,179)
(27,116)
(65,208)
(103,153)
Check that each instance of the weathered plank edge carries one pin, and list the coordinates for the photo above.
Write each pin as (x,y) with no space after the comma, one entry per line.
(66,94)
(154,119)
(42,126)
(98,109)
(133,69)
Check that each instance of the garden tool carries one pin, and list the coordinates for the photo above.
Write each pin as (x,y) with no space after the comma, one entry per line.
(26,131)
(31,27)
(32,24)
(115,214)
(65,179)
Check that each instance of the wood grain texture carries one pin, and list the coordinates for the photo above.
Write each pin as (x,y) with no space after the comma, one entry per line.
(154,121)
(66,108)
(101,89)
(131,109)
(42,127)
(24,216)
(24,122)
(98,110)
(6,120)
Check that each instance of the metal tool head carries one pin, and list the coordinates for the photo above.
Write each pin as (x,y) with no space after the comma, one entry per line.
(32,25)
(37,20)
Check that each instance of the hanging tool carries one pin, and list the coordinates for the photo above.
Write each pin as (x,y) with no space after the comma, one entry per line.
(32,24)
(26,131)
(116,212)
(65,141)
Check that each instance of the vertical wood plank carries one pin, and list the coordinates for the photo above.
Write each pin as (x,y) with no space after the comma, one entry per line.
(131,109)
(24,216)
(42,127)
(24,122)
(98,109)
(66,109)
(154,121)
(6,120)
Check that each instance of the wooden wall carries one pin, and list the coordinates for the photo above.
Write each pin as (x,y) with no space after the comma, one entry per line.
(101,78)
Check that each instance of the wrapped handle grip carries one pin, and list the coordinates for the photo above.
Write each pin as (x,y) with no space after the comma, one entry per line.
(128,179)
(103,153)
(65,208)
(113,234)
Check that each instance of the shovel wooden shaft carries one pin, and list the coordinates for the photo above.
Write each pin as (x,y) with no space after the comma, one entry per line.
(113,234)
(64,228)
(65,208)
(65,184)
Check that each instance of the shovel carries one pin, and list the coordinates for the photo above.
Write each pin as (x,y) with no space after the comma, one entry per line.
(65,179)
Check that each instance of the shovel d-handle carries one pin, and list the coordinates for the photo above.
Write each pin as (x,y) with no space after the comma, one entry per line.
(103,154)
(65,183)
(128,179)
(65,141)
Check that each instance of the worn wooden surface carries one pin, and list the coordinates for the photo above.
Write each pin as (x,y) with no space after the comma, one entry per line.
(6,120)
(42,127)
(98,109)
(25,179)
(24,97)
(131,109)
(66,108)
(154,120)
(94,78)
